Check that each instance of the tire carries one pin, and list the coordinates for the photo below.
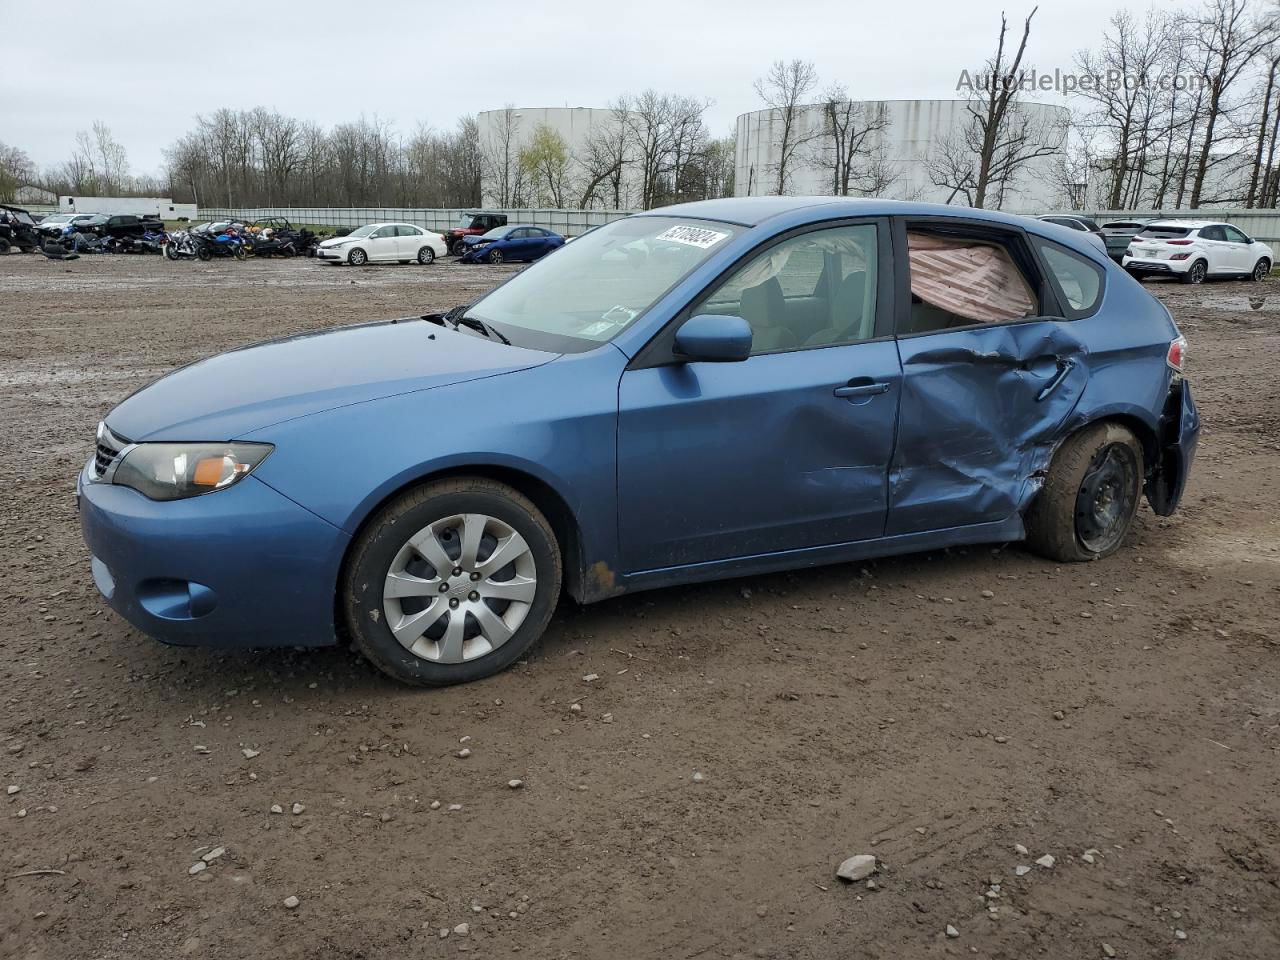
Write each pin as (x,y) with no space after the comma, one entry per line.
(458,249)
(171,251)
(1196,273)
(1261,270)
(240,254)
(204,253)
(1066,522)
(4,246)
(357,257)
(434,514)
(494,256)
(426,255)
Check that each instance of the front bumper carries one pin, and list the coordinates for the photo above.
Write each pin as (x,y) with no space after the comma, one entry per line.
(331,253)
(243,567)
(474,253)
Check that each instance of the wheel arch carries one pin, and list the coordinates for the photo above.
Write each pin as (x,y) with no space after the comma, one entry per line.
(578,581)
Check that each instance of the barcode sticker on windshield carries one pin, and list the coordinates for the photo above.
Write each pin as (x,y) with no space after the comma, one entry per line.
(699,237)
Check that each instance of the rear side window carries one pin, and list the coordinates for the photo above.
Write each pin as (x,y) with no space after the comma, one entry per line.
(1213,233)
(1164,233)
(1077,279)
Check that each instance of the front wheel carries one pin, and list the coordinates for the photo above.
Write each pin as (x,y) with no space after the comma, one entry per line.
(1090,496)
(357,257)
(240,254)
(451,582)
(426,255)
(171,251)
(458,249)
(1196,273)
(1260,270)
(204,253)
(495,256)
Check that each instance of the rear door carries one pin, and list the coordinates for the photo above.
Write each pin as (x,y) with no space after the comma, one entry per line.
(788,449)
(1215,249)
(991,369)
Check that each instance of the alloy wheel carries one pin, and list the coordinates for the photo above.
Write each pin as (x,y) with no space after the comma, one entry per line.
(459,588)
(1261,269)
(357,258)
(426,255)
(1198,271)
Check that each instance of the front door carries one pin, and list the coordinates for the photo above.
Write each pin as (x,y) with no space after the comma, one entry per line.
(988,379)
(382,243)
(787,449)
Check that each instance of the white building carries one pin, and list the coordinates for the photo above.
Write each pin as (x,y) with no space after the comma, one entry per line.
(915,131)
(505,133)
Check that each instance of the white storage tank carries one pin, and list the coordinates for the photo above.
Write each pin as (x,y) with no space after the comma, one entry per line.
(915,130)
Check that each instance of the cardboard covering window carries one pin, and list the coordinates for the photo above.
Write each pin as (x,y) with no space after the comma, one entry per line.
(972,279)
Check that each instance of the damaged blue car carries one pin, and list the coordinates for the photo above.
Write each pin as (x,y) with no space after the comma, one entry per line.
(710,390)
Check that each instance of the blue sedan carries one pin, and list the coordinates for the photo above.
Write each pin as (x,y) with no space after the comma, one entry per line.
(709,390)
(510,243)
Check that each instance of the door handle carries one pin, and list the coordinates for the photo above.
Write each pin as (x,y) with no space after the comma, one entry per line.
(1064,367)
(861,390)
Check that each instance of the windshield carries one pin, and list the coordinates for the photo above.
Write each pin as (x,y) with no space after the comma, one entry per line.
(363,231)
(58,218)
(494,234)
(590,290)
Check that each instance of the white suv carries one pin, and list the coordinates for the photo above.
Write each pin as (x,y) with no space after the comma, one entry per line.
(1195,249)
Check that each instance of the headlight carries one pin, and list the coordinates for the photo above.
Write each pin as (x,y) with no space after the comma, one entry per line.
(176,471)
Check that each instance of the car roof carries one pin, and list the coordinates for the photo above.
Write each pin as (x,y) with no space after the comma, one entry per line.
(752,211)
(1189,224)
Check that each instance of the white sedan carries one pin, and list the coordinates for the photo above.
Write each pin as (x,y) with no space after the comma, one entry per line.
(382,243)
(1195,249)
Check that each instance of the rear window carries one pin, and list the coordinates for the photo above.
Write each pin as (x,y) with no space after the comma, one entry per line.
(1164,233)
(1122,225)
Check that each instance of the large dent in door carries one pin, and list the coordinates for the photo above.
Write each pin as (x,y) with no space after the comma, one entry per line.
(981,413)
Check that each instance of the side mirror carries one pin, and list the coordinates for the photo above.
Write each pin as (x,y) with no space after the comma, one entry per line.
(713,338)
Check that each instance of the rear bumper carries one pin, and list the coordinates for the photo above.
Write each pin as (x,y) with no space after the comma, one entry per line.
(1179,435)
(244,567)
(1157,266)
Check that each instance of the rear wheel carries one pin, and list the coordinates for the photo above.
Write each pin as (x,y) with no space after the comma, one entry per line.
(426,255)
(458,249)
(357,257)
(203,252)
(1196,272)
(171,251)
(452,582)
(1260,270)
(1090,496)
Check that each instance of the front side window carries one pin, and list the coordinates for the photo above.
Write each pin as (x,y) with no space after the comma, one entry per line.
(383,233)
(596,287)
(1234,235)
(1078,280)
(817,289)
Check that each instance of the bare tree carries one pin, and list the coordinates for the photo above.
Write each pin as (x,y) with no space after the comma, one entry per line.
(501,158)
(604,159)
(999,137)
(16,169)
(784,90)
(851,150)
(1231,40)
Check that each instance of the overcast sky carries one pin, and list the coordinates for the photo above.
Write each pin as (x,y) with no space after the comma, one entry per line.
(147,68)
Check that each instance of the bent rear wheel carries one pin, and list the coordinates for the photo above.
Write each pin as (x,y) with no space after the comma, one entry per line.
(1090,496)
(452,582)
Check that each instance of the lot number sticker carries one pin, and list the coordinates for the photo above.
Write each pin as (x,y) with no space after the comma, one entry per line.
(699,237)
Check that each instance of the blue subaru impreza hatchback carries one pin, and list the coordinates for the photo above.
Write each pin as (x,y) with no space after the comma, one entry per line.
(702,391)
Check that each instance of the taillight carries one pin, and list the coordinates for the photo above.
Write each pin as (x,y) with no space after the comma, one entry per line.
(1179,243)
(1177,353)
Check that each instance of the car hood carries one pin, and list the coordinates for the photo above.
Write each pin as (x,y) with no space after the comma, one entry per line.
(235,393)
(334,241)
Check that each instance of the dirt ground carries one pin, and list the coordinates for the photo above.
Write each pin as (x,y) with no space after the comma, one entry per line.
(1129,707)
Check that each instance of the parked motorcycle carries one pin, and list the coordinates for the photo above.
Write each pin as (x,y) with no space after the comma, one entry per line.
(271,247)
(227,244)
(180,245)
